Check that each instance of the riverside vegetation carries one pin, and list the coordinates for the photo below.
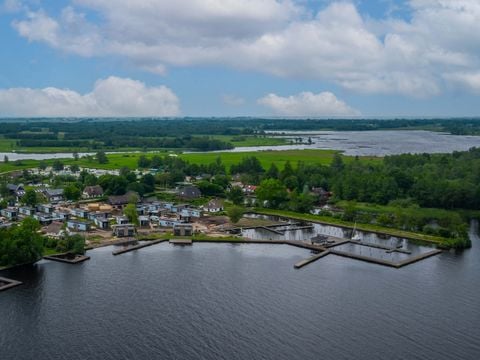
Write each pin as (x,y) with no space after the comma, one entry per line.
(428,197)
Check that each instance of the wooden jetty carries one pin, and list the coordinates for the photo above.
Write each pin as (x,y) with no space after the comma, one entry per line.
(137,247)
(67,258)
(383,247)
(6,284)
(271,230)
(305,262)
(418,257)
(181,241)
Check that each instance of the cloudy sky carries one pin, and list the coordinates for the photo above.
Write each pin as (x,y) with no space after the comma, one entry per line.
(318,58)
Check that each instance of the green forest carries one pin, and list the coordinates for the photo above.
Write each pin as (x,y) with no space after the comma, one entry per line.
(171,133)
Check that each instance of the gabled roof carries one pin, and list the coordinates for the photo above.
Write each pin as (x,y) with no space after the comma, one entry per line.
(215,204)
(95,190)
(53,192)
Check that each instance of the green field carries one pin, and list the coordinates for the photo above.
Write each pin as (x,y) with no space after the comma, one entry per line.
(246,141)
(8,145)
(279,158)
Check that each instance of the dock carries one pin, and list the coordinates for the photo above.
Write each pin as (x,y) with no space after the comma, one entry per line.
(419,257)
(181,241)
(67,258)
(6,284)
(137,247)
(310,260)
(383,247)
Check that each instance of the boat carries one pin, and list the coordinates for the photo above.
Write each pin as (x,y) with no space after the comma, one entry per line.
(355,235)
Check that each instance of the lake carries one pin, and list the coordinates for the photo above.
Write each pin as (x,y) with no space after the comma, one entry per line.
(361,143)
(224,301)
(376,143)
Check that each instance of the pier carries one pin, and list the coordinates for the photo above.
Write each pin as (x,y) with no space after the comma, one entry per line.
(137,247)
(310,260)
(6,284)
(180,241)
(67,258)
(383,247)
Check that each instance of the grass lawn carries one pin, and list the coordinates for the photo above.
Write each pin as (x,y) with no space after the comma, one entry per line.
(250,140)
(279,158)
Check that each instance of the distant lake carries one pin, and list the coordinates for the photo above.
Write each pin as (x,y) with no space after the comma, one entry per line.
(376,143)
(227,301)
(361,143)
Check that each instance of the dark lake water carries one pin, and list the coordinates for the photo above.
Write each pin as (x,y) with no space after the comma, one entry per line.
(376,143)
(221,301)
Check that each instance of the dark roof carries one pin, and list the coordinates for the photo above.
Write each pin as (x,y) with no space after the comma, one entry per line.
(215,204)
(14,187)
(95,190)
(53,192)
(189,192)
(122,199)
(53,228)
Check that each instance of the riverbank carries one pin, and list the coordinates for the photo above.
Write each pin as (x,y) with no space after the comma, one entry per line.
(326,220)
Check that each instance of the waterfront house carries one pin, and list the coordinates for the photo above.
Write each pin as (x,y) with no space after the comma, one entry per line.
(144,221)
(183,230)
(53,195)
(188,213)
(215,205)
(101,223)
(10,213)
(249,189)
(61,215)
(78,225)
(55,229)
(178,208)
(189,192)
(119,201)
(16,190)
(46,208)
(27,211)
(43,219)
(124,230)
(121,220)
(80,213)
(91,192)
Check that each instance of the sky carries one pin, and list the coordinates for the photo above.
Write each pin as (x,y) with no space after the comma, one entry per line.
(282,58)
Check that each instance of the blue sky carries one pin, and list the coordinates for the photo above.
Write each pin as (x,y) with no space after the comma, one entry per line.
(240,58)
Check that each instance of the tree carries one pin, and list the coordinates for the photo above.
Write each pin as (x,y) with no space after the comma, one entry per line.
(235,213)
(272,193)
(74,168)
(74,244)
(30,198)
(273,172)
(235,195)
(131,213)
(21,244)
(337,164)
(101,157)
(42,165)
(301,202)
(143,162)
(72,192)
(57,165)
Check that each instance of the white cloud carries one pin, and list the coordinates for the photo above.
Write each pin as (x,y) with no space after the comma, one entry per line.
(11,6)
(469,80)
(279,37)
(324,104)
(113,96)
(233,100)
